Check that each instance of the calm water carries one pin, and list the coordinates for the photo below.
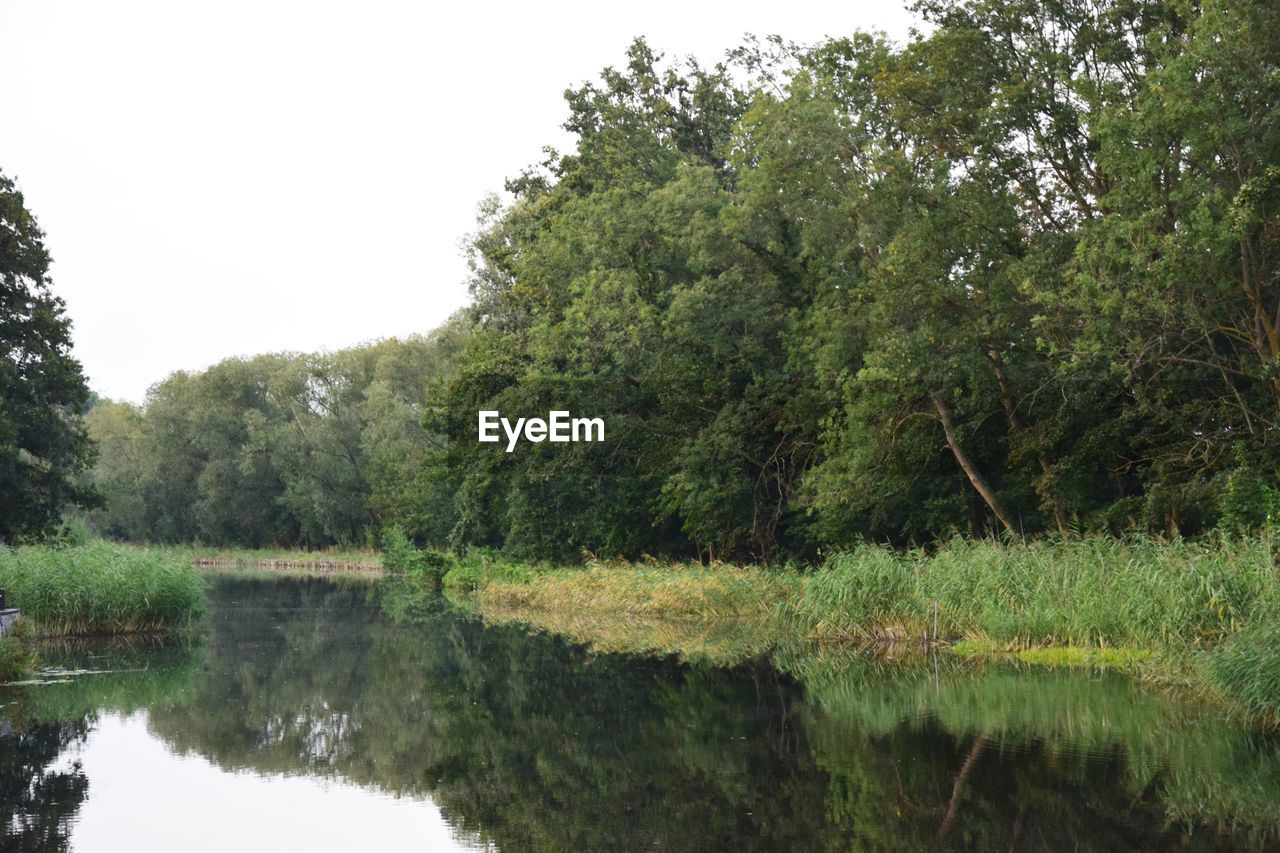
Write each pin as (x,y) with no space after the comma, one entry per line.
(305,717)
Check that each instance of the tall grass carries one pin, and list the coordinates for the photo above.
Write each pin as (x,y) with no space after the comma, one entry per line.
(1091,592)
(100,589)
(1246,669)
(1206,613)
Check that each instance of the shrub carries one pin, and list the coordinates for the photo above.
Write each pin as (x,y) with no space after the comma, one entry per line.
(399,556)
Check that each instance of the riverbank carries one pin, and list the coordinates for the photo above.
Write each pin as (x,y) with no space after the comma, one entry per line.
(328,561)
(1204,615)
(100,589)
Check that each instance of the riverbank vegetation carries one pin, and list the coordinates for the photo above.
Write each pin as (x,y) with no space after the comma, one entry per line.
(672,590)
(280,560)
(16,657)
(100,589)
(1195,613)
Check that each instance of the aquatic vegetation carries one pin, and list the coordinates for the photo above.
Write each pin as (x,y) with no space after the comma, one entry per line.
(660,589)
(1134,604)
(100,589)
(1246,668)
(16,657)
(720,642)
(1107,656)
(1138,592)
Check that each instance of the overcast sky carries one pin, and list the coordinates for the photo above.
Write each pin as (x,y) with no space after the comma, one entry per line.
(230,178)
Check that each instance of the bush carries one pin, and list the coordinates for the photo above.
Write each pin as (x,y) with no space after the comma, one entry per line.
(399,556)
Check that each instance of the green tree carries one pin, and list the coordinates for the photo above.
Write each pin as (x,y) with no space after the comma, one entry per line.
(43,442)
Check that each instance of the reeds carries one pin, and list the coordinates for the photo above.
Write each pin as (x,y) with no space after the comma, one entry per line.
(1090,592)
(1204,612)
(1246,669)
(100,589)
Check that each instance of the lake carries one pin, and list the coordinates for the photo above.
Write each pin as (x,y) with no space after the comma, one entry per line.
(321,714)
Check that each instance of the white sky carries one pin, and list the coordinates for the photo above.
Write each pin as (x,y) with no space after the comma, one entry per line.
(228,178)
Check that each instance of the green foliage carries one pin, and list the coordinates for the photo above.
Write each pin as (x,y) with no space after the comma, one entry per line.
(1248,501)
(279,450)
(100,589)
(1246,668)
(666,590)
(43,443)
(1094,592)
(399,556)
(16,656)
(482,565)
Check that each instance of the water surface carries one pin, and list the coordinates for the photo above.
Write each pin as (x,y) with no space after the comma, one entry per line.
(321,715)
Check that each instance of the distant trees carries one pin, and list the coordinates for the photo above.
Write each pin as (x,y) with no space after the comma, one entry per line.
(43,443)
(280,449)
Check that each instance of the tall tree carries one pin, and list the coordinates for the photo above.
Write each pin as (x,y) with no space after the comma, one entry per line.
(43,443)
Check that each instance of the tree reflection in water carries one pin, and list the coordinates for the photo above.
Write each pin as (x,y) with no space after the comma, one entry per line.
(530,742)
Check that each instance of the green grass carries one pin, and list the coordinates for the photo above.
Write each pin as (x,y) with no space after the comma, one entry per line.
(1204,614)
(658,589)
(100,589)
(1246,669)
(1090,592)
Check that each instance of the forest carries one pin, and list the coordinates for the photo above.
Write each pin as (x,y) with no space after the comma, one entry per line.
(1018,275)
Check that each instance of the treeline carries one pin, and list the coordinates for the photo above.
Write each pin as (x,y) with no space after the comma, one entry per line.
(1020,274)
(284,449)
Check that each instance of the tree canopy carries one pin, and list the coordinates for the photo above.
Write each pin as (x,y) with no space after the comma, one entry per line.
(43,444)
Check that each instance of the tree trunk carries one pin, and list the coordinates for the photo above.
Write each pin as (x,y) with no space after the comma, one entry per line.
(1016,424)
(975,478)
(975,752)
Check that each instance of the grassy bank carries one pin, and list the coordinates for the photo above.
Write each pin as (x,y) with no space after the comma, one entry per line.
(1092,592)
(281,561)
(1205,613)
(100,589)
(659,589)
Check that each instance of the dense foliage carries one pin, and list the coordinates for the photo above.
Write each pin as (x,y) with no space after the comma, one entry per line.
(280,449)
(43,444)
(100,589)
(1018,274)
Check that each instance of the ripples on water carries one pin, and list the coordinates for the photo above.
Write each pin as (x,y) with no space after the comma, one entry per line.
(305,717)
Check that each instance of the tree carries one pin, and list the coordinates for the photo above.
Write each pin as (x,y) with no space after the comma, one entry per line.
(43,443)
